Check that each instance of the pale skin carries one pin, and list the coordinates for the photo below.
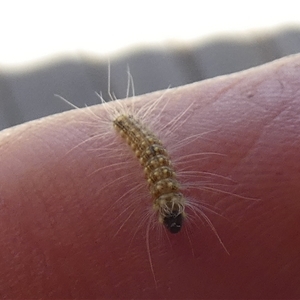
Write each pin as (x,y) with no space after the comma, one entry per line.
(57,241)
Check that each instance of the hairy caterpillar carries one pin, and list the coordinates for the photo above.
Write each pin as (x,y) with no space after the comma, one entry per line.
(136,202)
(160,174)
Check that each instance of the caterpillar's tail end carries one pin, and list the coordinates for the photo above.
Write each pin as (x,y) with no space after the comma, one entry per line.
(173,222)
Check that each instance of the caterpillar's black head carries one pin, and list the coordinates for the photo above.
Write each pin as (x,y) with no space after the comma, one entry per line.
(173,222)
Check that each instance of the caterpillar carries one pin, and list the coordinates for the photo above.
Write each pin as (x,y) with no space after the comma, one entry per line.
(166,191)
(171,174)
(168,201)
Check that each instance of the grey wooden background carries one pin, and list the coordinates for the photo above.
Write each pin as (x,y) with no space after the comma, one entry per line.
(29,94)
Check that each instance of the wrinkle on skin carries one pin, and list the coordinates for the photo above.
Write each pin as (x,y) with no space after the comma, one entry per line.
(58,224)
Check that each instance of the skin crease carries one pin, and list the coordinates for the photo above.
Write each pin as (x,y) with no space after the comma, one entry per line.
(60,230)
